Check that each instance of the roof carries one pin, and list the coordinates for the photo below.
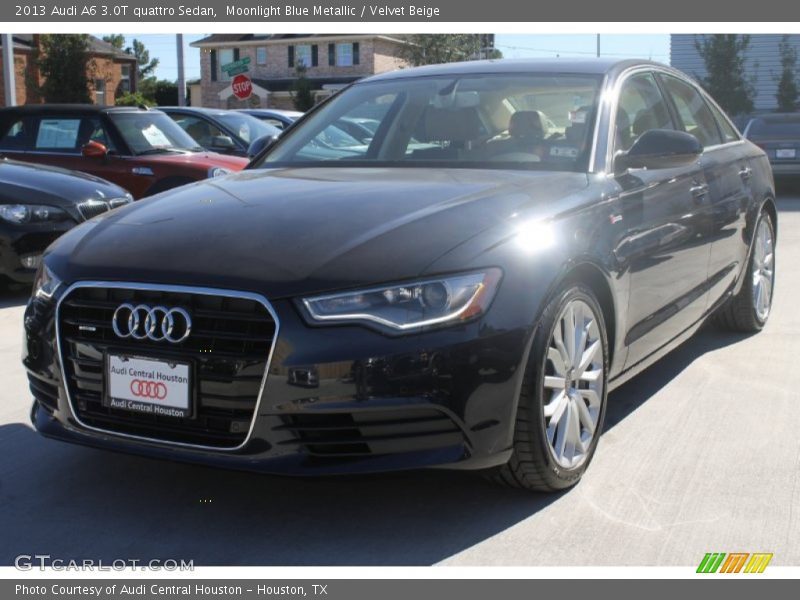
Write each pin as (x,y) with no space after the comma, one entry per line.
(63,108)
(285,84)
(24,41)
(588,66)
(230,39)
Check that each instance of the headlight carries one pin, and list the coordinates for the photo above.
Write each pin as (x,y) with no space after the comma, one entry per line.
(28,213)
(45,284)
(409,306)
(218,171)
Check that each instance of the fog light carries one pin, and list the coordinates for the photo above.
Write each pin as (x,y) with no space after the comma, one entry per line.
(31,261)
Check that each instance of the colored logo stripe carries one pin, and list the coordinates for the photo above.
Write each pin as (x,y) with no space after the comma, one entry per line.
(716,561)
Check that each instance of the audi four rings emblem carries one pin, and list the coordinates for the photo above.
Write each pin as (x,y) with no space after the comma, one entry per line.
(148,389)
(157,323)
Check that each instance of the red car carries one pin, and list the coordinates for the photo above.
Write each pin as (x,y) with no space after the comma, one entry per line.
(140,149)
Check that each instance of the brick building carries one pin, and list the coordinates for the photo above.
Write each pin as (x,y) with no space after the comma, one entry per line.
(111,72)
(332,61)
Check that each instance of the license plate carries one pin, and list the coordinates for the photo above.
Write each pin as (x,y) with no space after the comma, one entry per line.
(785,153)
(150,386)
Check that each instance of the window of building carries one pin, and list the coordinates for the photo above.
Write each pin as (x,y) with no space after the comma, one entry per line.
(261,55)
(344,55)
(302,55)
(125,78)
(100,92)
(226,56)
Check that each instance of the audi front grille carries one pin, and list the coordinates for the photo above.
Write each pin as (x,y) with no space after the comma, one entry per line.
(229,348)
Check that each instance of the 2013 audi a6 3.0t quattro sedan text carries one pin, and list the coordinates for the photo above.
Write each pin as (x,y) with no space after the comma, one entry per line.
(461,290)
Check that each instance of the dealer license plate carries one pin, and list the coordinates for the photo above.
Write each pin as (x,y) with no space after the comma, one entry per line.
(148,386)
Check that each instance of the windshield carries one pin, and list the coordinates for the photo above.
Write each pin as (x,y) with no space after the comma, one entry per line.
(246,127)
(152,132)
(517,121)
(783,128)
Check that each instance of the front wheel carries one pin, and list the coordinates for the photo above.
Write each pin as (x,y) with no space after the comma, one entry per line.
(563,398)
(749,310)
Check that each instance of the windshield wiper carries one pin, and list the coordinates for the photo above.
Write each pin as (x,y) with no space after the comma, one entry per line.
(159,151)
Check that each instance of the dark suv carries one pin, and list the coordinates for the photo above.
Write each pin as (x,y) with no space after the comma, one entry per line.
(142,150)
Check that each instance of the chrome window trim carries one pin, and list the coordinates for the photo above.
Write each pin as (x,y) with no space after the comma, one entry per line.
(176,289)
(608,168)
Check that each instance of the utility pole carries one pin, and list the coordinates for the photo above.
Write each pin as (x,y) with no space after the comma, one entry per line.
(181,76)
(9,77)
(598,45)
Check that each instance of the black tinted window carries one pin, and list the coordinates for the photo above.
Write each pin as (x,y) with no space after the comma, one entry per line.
(783,128)
(20,136)
(641,108)
(693,111)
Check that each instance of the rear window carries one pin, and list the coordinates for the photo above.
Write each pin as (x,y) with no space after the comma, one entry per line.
(775,128)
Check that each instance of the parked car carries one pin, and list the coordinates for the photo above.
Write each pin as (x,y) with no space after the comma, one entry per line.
(142,150)
(38,204)
(223,131)
(779,136)
(273,116)
(541,271)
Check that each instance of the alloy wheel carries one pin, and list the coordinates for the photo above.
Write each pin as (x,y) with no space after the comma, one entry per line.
(763,270)
(573,384)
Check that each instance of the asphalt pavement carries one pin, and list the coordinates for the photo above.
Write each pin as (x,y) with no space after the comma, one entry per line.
(701,453)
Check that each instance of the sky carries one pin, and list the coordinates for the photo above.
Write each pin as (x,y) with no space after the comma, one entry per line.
(655,47)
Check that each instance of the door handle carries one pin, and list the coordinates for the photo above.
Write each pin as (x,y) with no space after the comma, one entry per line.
(745,173)
(699,191)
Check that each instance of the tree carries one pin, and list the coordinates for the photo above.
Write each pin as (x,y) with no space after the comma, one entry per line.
(115,39)
(166,93)
(787,94)
(302,94)
(723,55)
(146,66)
(133,99)
(431,49)
(66,66)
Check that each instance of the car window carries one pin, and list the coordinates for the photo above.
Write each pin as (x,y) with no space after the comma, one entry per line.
(20,136)
(58,134)
(506,120)
(273,122)
(202,131)
(693,111)
(246,127)
(641,108)
(729,133)
(151,132)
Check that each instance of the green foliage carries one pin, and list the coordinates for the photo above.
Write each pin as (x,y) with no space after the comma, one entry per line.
(431,49)
(724,59)
(787,94)
(165,93)
(115,39)
(136,99)
(66,66)
(302,92)
(146,66)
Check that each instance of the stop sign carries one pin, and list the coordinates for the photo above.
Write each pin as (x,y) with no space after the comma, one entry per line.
(242,87)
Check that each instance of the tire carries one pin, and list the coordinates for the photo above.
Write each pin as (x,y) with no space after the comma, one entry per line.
(744,312)
(534,463)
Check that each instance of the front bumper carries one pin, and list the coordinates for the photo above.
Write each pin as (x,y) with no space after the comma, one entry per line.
(17,241)
(442,398)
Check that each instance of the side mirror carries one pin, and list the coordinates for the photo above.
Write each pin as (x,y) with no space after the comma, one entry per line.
(660,149)
(261,144)
(92,149)
(222,142)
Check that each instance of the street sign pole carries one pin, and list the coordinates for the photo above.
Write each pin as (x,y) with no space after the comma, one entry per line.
(9,77)
(181,75)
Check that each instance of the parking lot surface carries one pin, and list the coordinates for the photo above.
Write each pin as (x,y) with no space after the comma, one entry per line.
(701,453)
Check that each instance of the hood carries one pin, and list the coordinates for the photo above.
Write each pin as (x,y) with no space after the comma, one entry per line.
(295,231)
(41,184)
